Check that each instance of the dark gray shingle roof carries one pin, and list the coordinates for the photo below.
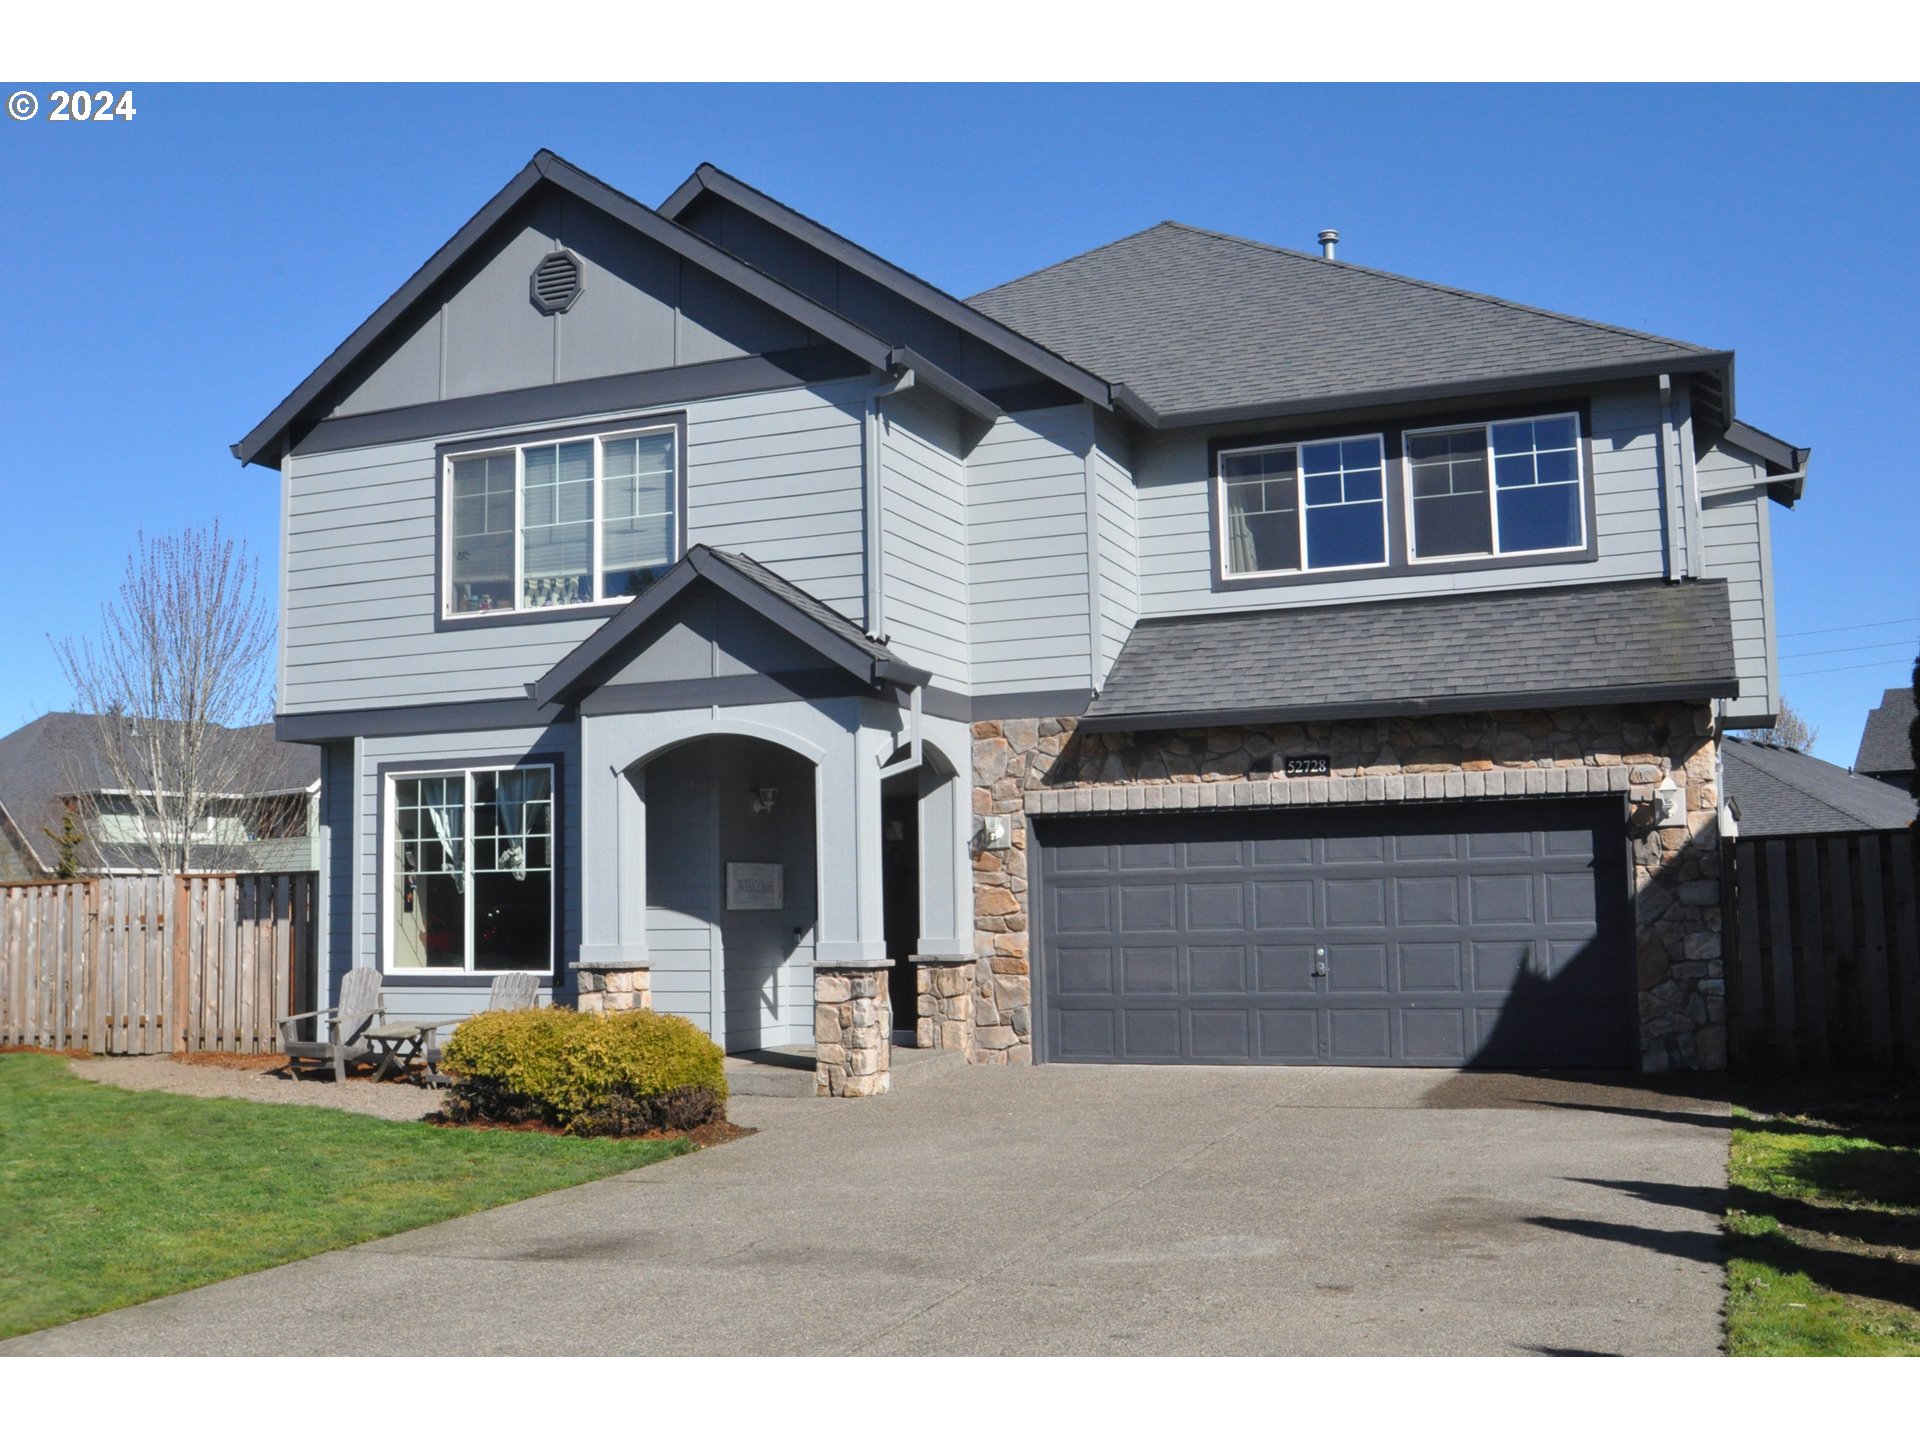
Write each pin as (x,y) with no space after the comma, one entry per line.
(59,753)
(1885,745)
(1197,322)
(1783,792)
(801,600)
(1590,644)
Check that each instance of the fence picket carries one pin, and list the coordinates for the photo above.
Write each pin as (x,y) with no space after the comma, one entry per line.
(1906,945)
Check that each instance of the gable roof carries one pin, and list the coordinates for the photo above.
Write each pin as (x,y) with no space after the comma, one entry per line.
(1885,746)
(1783,792)
(1206,327)
(815,624)
(262,443)
(58,754)
(710,179)
(1579,645)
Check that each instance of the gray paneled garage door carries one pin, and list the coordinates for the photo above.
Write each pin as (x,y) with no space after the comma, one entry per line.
(1483,934)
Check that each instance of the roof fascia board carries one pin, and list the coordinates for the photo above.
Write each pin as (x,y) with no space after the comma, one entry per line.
(548,167)
(571,668)
(955,312)
(1414,394)
(1421,705)
(942,383)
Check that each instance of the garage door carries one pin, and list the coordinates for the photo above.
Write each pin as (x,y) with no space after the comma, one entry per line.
(1487,934)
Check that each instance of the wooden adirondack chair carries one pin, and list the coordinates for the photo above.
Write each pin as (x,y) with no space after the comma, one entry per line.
(518,991)
(340,1033)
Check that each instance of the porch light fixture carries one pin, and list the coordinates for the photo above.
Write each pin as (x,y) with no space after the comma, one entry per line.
(1669,805)
(763,799)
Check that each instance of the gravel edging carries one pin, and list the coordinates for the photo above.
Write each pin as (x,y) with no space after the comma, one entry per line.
(387,1100)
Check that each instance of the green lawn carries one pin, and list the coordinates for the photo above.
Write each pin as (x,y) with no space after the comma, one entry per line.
(1823,1227)
(109,1197)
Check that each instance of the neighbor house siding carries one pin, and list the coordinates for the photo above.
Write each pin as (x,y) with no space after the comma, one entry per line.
(1172,476)
(775,474)
(924,536)
(1737,545)
(353,808)
(1116,543)
(1027,552)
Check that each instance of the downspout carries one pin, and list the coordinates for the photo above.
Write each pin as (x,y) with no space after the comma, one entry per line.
(1689,483)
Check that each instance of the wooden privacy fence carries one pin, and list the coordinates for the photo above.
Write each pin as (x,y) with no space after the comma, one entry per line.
(151,964)
(1822,959)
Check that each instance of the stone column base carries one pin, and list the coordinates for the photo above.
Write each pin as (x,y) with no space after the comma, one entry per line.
(944,987)
(852,1031)
(626,987)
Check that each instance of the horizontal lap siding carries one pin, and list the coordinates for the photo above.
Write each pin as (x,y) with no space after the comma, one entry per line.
(1027,552)
(776,475)
(353,809)
(1736,540)
(1171,476)
(1117,540)
(924,537)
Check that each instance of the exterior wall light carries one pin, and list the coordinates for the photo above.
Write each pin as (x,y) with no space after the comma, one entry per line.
(764,798)
(1669,805)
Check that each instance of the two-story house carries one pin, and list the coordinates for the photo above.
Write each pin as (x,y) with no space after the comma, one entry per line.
(1194,652)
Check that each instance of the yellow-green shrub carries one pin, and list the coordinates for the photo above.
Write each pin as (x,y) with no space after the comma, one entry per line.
(563,1063)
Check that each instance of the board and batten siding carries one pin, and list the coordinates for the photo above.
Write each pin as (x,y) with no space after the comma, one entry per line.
(1737,545)
(1171,475)
(923,544)
(1116,543)
(775,474)
(358,869)
(1027,552)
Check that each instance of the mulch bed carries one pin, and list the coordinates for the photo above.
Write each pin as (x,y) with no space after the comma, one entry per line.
(42,1050)
(714,1132)
(221,1060)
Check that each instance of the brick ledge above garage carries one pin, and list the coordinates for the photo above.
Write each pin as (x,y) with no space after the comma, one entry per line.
(1573,778)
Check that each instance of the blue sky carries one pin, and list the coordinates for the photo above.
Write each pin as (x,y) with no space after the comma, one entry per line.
(173,276)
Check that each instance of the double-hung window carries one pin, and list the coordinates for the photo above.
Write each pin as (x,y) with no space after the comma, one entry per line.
(1317,505)
(1511,487)
(570,522)
(469,883)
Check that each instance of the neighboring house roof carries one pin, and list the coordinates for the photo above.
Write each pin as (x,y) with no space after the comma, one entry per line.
(1777,791)
(836,638)
(59,755)
(1206,327)
(1506,650)
(1886,745)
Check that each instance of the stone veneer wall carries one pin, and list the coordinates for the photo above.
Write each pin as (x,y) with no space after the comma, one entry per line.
(1044,767)
(614,988)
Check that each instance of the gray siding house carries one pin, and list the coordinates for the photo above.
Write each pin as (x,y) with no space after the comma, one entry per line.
(1195,651)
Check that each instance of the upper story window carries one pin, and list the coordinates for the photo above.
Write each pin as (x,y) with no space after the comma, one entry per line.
(569,522)
(1510,487)
(1319,505)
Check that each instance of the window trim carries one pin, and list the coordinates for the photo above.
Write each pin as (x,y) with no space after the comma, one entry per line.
(1304,569)
(1582,482)
(386,777)
(1395,427)
(517,443)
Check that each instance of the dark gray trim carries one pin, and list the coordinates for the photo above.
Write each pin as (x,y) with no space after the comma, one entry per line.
(574,671)
(562,873)
(1031,704)
(729,690)
(945,384)
(600,610)
(1417,394)
(318,727)
(1779,457)
(1399,563)
(958,313)
(1704,689)
(639,390)
(546,167)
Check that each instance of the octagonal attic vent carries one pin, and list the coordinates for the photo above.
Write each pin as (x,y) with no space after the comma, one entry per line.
(556,282)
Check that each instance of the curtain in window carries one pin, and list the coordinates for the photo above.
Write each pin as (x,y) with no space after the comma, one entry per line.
(512,790)
(1241,556)
(446,816)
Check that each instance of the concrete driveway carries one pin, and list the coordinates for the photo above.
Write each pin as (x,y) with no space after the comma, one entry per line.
(1064,1210)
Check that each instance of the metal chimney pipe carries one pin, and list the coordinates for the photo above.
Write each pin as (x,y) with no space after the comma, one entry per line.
(1328,239)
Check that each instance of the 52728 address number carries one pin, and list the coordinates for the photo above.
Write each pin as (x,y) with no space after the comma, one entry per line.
(90,105)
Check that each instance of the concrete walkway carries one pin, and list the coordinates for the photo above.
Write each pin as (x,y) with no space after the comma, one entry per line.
(1060,1210)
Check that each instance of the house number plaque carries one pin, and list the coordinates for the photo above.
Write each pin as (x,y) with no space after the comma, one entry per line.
(1296,767)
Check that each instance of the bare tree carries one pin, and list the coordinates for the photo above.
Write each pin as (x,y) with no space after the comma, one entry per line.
(1790,731)
(179,682)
